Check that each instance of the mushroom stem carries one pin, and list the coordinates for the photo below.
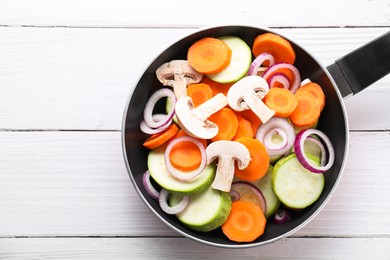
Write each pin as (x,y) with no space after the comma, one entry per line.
(179,86)
(258,107)
(211,106)
(223,177)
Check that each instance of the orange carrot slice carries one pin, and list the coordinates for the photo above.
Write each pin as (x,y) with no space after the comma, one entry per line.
(245,222)
(217,87)
(244,128)
(160,138)
(316,91)
(260,159)
(209,55)
(276,45)
(199,93)
(282,101)
(307,111)
(227,122)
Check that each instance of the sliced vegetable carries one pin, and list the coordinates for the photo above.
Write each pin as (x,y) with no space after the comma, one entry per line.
(155,194)
(290,71)
(249,192)
(226,152)
(152,101)
(261,59)
(227,123)
(217,87)
(178,74)
(244,129)
(259,162)
(199,93)
(159,173)
(316,91)
(158,139)
(245,223)
(194,120)
(206,211)
(276,45)
(179,207)
(248,93)
(279,80)
(281,135)
(282,101)
(295,186)
(209,55)
(307,112)
(265,186)
(186,161)
(149,130)
(239,64)
(251,117)
(302,156)
(282,216)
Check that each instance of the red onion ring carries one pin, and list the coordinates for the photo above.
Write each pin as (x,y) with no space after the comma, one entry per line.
(258,61)
(149,187)
(234,195)
(302,157)
(181,175)
(281,216)
(162,200)
(297,77)
(242,185)
(278,77)
(148,130)
(280,124)
(148,112)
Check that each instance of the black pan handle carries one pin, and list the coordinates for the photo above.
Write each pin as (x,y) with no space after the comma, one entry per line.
(362,67)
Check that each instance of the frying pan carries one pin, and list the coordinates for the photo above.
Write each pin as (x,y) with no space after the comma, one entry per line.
(347,76)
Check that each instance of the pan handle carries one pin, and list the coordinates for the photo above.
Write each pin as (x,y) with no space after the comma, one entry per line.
(362,67)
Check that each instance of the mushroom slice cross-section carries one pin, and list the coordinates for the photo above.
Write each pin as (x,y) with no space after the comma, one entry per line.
(247,93)
(227,153)
(193,120)
(178,74)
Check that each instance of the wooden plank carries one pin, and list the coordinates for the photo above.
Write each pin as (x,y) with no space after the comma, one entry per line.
(61,78)
(76,184)
(176,14)
(166,248)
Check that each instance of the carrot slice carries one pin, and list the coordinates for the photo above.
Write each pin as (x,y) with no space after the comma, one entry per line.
(245,222)
(260,159)
(316,91)
(160,138)
(217,87)
(199,93)
(209,55)
(251,117)
(282,101)
(185,156)
(276,45)
(227,122)
(307,111)
(244,129)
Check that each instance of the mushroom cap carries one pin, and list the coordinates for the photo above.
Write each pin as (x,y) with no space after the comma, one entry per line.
(228,150)
(167,72)
(249,85)
(192,123)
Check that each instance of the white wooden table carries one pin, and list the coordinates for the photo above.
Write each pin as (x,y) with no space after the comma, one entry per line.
(66,69)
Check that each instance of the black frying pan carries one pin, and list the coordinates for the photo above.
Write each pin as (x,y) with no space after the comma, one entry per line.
(347,76)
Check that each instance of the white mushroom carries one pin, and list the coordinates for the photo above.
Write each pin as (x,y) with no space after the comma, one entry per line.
(227,152)
(194,120)
(178,74)
(247,93)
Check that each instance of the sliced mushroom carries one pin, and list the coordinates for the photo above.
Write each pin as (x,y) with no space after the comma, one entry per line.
(247,93)
(178,74)
(194,120)
(227,152)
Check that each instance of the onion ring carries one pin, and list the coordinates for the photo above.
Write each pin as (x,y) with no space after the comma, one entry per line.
(302,157)
(258,61)
(280,124)
(154,98)
(278,77)
(149,187)
(181,175)
(297,77)
(162,200)
(148,130)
